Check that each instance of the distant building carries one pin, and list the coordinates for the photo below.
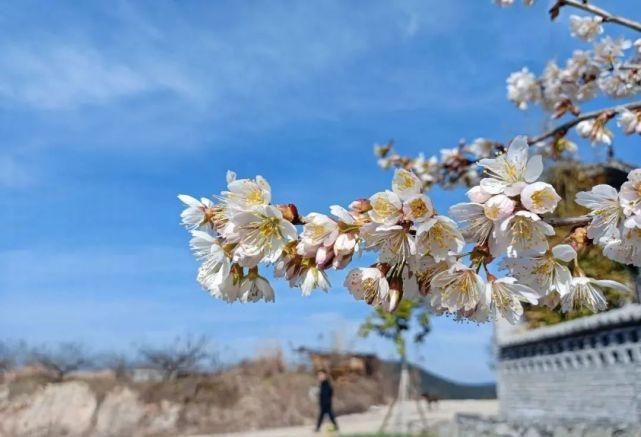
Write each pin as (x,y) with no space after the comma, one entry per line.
(141,374)
(339,364)
(586,370)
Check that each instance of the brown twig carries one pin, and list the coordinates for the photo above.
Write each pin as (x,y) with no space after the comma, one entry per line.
(607,16)
(563,128)
(581,220)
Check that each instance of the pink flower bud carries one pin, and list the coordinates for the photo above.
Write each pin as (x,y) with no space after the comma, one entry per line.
(324,256)
(360,205)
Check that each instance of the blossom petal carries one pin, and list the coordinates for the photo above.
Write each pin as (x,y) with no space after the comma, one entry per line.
(493,186)
(564,252)
(534,168)
(608,283)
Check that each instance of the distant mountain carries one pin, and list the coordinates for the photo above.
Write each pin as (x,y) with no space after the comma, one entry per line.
(438,386)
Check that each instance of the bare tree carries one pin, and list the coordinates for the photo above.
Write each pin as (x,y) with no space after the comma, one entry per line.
(118,363)
(7,357)
(65,358)
(180,357)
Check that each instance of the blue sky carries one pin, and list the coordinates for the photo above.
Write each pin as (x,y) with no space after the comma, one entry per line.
(110,109)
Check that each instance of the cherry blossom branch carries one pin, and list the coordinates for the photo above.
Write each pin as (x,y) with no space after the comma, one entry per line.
(563,128)
(569,221)
(585,6)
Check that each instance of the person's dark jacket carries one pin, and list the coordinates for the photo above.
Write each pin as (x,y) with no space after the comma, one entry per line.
(326,393)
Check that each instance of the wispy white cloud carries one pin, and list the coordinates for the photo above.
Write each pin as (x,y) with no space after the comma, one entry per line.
(68,76)
(267,51)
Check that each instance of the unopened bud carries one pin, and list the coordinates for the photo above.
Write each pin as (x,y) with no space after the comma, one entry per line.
(579,238)
(550,300)
(290,213)
(324,257)
(481,254)
(395,293)
(381,150)
(360,205)
(382,267)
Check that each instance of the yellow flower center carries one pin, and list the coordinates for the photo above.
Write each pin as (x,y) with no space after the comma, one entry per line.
(370,289)
(383,207)
(492,212)
(418,208)
(268,229)
(316,231)
(405,181)
(255,197)
(541,198)
(511,171)
(438,234)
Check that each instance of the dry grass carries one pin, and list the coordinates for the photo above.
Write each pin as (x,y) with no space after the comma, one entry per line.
(256,394)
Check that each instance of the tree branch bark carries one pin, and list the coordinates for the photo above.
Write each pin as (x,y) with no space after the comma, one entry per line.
(607,16)
(581,220)
(563,128)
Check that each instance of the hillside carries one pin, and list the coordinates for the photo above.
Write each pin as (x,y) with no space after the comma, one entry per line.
(439,386)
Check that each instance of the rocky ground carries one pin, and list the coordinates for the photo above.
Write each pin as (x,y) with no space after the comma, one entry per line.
(243,398)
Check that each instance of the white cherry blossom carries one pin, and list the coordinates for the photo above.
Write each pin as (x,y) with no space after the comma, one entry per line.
(504,296)
(394,243)
(627,248)
(606,212)
(510,172)
(438,237)
(523,233)
(254,288)
(630,193)
(481,148)
(586,293)
(318,230)
(406,184)
(477,194)
(426,268)
(368,284)
(523,88)
(629,121)
(387,207)
(586,28)
(608,51)
(216,265)
(545,273)
(595,131)
(196,213)
(476,227)
(314,278)
(246,194)
(418,208)
(263,233)
(498,207)
(458,288)
(540,197)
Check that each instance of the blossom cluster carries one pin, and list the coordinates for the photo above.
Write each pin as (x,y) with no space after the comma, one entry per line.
(454,166)
(609,68)
(612,69)
(420,253)
(449,262)
(616,219)
(505,219)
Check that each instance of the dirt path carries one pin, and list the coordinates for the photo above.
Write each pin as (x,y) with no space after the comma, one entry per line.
(370,421)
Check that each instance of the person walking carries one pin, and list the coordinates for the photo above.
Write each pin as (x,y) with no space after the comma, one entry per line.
(325,394)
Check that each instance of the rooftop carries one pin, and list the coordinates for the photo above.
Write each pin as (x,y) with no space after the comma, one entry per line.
(628,314)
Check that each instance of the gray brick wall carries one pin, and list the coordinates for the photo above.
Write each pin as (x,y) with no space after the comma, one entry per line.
(599,382)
